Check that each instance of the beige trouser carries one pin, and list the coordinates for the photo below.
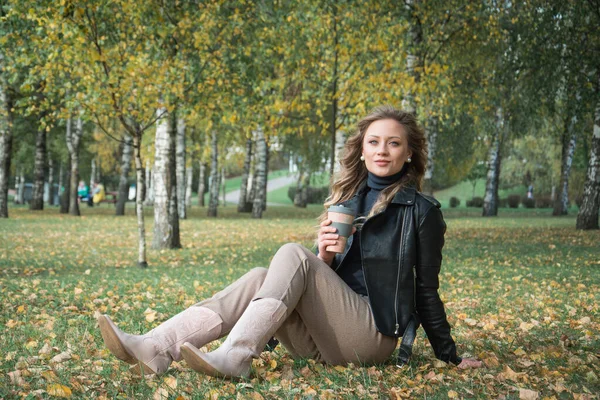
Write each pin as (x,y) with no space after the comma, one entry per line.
(326,320)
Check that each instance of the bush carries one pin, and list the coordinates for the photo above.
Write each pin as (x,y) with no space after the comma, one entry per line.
(476,202)
(543,202)
(513,200)
(503,203)
(454,202)
(316,195)
(527,202)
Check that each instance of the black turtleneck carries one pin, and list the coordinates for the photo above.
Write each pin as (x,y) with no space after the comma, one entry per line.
(351,269)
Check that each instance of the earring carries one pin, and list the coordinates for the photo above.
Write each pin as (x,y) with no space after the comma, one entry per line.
(408,159)
(362,158)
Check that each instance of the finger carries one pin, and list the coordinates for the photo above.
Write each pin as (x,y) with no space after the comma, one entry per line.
(327,243)
(326,230)
(326,222)
(330,236)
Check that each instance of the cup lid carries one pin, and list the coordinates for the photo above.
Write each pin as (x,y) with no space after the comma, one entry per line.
(342,210)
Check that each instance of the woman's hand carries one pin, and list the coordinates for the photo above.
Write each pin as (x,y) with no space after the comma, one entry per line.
(470,363)
(327,237)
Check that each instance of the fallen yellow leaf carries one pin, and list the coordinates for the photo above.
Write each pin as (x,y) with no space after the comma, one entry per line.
(526,394)
(58,390)
(452,394)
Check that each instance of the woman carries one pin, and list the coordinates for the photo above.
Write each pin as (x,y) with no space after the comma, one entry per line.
(335,308)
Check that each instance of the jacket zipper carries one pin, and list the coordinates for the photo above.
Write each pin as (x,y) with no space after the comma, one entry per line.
(399,272)
(415,286)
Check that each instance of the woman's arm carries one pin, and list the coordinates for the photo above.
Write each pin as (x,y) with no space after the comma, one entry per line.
(430,308)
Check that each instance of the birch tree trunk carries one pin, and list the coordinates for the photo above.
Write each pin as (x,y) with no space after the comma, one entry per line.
(412,57)
(20,199)
(432,132)
(253,182)
(149,200)
(180,160)
(490,201)
(213,200)
(125,167)
(39,171)
(50,182)
(6,139)
(175,184)
(201,184)
(266,182)
(188,186)
(147,181)
(222,185)
(73,139)
(587,218)
(93,176)
(242,203)
(561,201)
(261,174)
(334,101)
(139,208)
(163,181)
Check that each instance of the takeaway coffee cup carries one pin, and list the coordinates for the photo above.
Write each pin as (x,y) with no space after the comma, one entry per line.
(341,218)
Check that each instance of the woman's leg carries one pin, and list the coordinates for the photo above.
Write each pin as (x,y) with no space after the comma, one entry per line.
(294,336)
(338,320)
(200,324)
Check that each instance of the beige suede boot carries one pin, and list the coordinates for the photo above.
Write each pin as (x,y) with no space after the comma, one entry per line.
(246,341)
(155,350)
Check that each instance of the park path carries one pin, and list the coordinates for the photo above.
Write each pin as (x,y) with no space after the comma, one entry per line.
(273,184)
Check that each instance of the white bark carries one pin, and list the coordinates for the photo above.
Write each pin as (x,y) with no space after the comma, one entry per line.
(175,241)
(261,172)
(39,171)
(412,58)
(161,182)
(124,178)
(180,160)
(201,185)
(432,133)
(243,200)
(149,200)
(213,200)
(6,139)
(73,139)
(222,184)
(20,197)
(490,201)
(587,218)
(50,182)
(188,186)
(93,175)
(569,137)
(139,209)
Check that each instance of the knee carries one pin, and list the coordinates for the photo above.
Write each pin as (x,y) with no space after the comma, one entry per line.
(258,273)
(292,248)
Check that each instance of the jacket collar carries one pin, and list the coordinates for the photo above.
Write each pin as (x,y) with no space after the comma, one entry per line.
(406,196)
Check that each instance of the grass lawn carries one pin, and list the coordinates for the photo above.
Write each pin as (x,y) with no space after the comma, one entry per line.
(521,291)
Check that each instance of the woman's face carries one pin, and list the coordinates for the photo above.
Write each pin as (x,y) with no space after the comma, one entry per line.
(385,147)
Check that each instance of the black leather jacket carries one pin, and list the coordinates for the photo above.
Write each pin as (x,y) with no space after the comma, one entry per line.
(401,250)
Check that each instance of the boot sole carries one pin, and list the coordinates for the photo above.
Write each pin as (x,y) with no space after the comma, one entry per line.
(198,364)
(141,369)
(112,341)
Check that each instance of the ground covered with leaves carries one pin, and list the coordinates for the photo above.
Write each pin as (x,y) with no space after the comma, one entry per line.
(522,293)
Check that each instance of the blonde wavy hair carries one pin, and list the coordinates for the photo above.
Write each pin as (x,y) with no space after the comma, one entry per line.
(353,171)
